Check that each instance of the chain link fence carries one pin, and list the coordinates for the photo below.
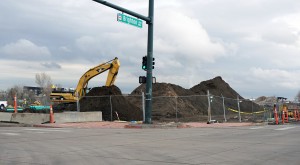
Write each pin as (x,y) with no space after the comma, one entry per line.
(195,108)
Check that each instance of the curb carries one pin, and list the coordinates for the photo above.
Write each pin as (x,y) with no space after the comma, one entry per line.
(45,126)
(157,126)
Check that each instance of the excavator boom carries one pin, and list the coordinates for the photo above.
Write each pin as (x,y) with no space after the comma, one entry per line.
(112,66)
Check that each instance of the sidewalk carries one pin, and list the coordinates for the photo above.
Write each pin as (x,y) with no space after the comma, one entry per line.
(118,124)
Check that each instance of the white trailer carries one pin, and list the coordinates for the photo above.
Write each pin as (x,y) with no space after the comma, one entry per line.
(3,104)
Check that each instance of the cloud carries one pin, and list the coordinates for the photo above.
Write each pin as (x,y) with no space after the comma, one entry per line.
(51,65)
(185,38)
(24,50)
(87,43)
(277,78)
(65,49)
(193,41)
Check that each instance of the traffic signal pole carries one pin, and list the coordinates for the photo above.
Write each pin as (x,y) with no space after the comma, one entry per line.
(149,20)
(148,108)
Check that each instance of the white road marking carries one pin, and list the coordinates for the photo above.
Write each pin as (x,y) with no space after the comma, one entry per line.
(285,128)
(8,130)
(47,130)
(10,134)
(257,127)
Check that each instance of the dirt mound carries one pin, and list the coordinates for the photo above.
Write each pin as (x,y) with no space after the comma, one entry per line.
(165,104)
(99,99)
(219,88)
(263,100)
(163,89)
(192,103)
(216,86)
(169,101)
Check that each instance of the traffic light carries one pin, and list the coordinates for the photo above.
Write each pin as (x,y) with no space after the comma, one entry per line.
(153,63)
(144,63)
(142,79)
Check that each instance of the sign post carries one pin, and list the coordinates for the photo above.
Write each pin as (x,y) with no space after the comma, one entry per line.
(150,21)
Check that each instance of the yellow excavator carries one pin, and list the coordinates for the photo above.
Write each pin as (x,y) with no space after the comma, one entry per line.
(80,91)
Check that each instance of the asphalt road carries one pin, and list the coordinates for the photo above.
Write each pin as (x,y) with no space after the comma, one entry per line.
(260,145)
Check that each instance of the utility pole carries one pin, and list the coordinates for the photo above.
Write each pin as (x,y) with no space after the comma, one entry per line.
(149,20)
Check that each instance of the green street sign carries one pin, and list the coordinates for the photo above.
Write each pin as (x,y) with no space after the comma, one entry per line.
(129,20)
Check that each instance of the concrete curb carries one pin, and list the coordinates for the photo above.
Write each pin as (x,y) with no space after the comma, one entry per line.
(160,126)
(13,124)
(46,126)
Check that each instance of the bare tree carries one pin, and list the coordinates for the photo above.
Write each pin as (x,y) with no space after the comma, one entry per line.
(298,96)
(3,95)
(12,92)
(44,81)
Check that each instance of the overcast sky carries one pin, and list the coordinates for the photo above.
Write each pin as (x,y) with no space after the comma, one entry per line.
(253,45)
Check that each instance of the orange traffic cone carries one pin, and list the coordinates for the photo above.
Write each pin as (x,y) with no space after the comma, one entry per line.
(15,104)
(51,115)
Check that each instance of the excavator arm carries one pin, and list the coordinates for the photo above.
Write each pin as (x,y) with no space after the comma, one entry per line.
(111,66)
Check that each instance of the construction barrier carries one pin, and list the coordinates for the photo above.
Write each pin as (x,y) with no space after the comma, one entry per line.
(51,115)
(39,118)
(15,104)
(247,113)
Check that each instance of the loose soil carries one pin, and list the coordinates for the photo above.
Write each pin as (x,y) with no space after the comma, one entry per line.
(191,104)
(110,101)
(169,102)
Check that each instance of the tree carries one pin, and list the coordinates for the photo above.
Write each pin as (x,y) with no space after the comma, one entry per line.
(12,92)
(298,96)
(44,81)
(3,95)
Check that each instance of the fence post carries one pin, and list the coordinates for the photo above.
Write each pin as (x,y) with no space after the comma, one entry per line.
(238,101)
(224,108)
(252,108)
(143,106)
(78,104)
(176,108)
(111,116)
(287,116)
(282,116)
(209,108)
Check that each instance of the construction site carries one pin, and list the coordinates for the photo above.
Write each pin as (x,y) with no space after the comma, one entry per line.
(209,101)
